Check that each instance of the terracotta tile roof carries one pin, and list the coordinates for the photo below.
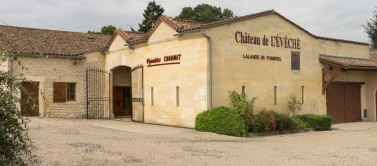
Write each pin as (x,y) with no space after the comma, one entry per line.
(50,42)
(177,24)
(347,63)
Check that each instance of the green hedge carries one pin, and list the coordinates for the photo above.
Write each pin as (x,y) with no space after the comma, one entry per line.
(221,120)
(317,122)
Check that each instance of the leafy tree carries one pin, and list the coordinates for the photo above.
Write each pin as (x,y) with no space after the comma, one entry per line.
(371,30)
(151,14)
(14,139)
(105,30)
(205,13)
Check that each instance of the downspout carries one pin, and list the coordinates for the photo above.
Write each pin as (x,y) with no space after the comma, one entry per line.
(210,66)
(10,71)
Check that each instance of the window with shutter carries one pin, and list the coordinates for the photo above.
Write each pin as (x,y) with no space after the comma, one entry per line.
(59,92)
(295,60)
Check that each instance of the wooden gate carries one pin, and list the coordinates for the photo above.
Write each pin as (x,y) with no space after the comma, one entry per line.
(343,101)
(137,90)
(32,89)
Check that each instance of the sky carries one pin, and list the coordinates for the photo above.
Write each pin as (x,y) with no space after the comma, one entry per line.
(341,19)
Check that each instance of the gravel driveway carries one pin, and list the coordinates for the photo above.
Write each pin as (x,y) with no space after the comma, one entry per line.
(76,142)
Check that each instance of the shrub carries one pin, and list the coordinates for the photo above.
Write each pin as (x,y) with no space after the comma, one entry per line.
(221,120)
(14,139)
(243,105)
(263,121)
(294,105)
(285,122)
(317,122)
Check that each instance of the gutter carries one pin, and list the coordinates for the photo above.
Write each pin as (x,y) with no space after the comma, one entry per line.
(187,32)
(210,67)
(137,42)
(53,56)
(362,68)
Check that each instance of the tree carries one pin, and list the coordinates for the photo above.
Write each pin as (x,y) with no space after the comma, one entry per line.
(151,14)
(371,30)
(14,139)
(205,13)
(105,30)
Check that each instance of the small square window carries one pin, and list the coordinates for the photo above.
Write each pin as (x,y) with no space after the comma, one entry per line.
(71,89)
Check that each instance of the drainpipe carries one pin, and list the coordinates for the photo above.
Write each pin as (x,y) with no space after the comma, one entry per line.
(210,66)
(10,66)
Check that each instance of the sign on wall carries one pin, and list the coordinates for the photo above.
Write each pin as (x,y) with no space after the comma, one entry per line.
(276,41)
(167,60)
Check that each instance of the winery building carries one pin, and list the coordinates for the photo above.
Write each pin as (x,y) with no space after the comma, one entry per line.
(181,68)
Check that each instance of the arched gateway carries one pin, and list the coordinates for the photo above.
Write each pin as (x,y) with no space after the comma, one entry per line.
(127,92)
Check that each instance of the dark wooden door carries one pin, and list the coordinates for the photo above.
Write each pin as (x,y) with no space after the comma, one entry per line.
(32,89)
(122,101)
(343,101)
(335,102)
(352,103)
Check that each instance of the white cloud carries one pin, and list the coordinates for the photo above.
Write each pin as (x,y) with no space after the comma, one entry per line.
(336,18)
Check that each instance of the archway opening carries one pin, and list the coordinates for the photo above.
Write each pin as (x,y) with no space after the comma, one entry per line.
(121,86)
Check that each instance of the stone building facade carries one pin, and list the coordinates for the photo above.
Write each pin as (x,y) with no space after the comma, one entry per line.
(181,68)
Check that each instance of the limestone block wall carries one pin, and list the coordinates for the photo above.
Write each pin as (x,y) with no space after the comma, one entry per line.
(338,48)
(190,76)
(265,78)
(48,70)
(371,89)
(4,66)
(121,76)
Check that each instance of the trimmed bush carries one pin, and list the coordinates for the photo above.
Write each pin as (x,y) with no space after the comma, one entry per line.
(317,122)
(221,120)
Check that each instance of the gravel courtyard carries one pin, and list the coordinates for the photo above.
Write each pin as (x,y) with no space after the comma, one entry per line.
(77,142)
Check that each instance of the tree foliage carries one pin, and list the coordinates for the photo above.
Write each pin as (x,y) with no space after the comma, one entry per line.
(14,139)
(151,14)
(105,30)
(205,13)
(371,30)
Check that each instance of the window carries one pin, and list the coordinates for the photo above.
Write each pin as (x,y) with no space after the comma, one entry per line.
(275,99)
(177,95)
(295,60)
(64,91)
(303,93)
(71,92)
(243,89)
(152,95)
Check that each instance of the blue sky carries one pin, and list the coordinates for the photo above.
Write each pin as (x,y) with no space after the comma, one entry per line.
(343,19)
